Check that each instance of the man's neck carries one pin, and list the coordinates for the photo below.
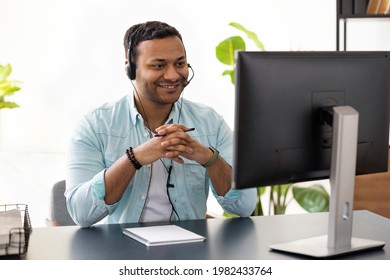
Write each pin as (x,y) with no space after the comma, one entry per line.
(153,114)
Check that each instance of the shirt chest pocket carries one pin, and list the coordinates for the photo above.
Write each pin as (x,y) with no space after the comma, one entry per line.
(195,178)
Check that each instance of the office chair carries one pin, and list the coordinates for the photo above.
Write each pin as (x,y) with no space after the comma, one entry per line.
(59,213)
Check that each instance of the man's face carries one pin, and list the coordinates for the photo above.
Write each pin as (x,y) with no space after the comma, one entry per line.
(162,69)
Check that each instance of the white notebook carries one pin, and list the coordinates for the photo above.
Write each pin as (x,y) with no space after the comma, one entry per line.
(162,235)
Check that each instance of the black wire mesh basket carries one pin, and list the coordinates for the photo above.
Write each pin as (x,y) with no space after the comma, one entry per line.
(14,241)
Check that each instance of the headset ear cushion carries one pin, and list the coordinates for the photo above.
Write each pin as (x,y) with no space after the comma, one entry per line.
(130,66)
(132,71)
(128,70)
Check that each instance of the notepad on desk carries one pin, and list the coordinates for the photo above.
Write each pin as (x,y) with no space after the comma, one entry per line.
(162,235)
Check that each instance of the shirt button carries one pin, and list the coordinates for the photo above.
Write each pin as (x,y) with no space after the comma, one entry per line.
(146,135)
(142,197)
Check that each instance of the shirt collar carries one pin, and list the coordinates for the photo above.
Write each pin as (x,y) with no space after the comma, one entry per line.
(135,116)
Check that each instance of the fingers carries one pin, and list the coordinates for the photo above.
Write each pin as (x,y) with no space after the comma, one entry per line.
(167,129)
(178,160)
(177,142)
(175,139)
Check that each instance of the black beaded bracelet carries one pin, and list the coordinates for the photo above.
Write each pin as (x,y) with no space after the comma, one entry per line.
(133,160)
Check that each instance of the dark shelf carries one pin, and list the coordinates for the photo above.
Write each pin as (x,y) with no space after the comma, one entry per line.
(351,12)
(363,16)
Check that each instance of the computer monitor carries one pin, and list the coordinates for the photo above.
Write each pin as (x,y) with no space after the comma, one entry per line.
(284,121)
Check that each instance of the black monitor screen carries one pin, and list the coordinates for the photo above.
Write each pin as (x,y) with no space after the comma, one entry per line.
(282,102)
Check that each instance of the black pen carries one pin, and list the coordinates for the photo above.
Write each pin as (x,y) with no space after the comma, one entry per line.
(188,130)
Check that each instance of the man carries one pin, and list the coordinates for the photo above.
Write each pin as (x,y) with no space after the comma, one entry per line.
(152,155)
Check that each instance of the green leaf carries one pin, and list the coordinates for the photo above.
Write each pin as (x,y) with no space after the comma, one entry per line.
(251,35)
(8,88)
(260,191)
(278,198)
(228,215)
(281,190)
(5,71)
(313,198)
(229,73)
(226,49)
(7,104)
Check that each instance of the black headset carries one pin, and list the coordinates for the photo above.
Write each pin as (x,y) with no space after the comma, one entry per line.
(130,66)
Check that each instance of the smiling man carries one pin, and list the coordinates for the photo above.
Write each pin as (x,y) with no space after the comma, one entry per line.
(152,155)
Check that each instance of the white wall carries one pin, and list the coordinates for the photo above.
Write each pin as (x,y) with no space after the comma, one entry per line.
(69,53)
(69,56)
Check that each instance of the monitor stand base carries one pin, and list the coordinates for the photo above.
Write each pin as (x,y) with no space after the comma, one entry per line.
(317,247)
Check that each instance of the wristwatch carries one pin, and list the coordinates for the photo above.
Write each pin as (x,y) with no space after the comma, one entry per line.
(213,158)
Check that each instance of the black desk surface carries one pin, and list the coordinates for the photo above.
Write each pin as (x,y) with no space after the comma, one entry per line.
(242,239)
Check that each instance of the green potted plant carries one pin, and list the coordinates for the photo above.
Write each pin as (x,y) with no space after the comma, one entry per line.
(7,87)
(313,198)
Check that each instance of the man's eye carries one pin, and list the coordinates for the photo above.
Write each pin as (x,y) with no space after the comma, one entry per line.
(181,64)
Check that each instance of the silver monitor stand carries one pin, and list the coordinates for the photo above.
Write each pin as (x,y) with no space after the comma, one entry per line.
(342,180)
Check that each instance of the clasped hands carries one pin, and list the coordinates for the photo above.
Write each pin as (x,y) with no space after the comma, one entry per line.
(173,141)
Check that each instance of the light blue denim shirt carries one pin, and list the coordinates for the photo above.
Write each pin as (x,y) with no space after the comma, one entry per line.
(103,135)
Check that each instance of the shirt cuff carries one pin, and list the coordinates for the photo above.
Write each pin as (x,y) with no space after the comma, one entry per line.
(239,202)
(99,190)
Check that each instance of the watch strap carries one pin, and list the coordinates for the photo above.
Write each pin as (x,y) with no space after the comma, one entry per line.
(213,158)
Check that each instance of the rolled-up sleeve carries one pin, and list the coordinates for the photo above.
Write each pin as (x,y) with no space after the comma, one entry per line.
(85,187)
(238,202)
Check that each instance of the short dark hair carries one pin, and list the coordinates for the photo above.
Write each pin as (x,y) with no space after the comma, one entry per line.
(147,31)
